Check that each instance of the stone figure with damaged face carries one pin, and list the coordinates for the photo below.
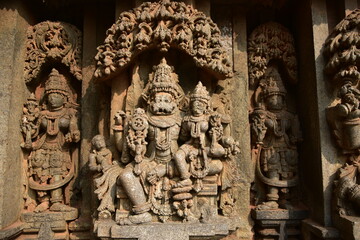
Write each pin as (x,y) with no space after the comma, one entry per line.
(51,164)
(149,143)
(276,132)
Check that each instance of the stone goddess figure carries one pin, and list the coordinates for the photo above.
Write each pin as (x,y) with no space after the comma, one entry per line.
(51,165)
(275,132)
(149,145)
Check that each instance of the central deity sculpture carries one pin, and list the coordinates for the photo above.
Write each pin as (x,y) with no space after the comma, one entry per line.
(159,177)
(152,141)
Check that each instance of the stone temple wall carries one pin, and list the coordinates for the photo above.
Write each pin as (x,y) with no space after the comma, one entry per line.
(200,119)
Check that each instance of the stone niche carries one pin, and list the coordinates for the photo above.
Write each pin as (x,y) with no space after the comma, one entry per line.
(165,160)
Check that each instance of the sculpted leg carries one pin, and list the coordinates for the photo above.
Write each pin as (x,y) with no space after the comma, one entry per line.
(57,198)
(132,186)
(180,160)
(134,190)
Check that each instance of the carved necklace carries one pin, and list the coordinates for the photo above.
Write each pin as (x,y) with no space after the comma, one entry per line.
(162,144)
(53,118)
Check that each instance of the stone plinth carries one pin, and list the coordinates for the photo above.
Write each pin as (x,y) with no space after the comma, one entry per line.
(165,231)
(278,224)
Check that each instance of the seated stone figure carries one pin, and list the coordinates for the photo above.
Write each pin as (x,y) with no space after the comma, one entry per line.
(201,154)
(159,178)
(151,141)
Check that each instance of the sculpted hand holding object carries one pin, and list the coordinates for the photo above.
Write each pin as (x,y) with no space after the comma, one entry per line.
(276,132)
(51,165)
(151,141)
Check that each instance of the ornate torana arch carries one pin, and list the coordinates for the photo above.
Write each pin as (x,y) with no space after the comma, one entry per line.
(55,42)
(162,25)
(268,42)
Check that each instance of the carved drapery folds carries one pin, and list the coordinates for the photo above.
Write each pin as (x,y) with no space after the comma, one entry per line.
(275,130)
(271,42)
(50,125)
(52,42)
(162,25)
(171,162)
(343,114)
(175,156)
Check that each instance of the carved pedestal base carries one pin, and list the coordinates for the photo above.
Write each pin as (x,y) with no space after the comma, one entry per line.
(48,225)
(166,231)
(278,224)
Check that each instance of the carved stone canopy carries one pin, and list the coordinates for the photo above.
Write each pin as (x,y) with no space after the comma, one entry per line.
(267,43)
(162,25)
(342,49)
(55,42)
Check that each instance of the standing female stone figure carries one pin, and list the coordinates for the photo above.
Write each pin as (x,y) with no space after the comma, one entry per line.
(51,165)
(276,132)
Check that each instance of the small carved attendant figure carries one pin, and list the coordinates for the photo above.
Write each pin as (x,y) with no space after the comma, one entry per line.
(101,158)
(100,161)
(147,179)
(276,132)
(29,123)
(51,165)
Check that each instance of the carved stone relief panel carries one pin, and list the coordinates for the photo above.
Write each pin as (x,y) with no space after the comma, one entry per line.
(343,116)
(170,157)
(50,125)
(275,129)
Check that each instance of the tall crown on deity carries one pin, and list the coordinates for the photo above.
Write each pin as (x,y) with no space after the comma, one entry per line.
(200,93)
(56,83)
(163,79)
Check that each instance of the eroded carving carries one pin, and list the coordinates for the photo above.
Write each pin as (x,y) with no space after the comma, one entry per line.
(343,114)
(162,179)
(50,133)
(275,130)
(55,42)
(271,42)
(162,25)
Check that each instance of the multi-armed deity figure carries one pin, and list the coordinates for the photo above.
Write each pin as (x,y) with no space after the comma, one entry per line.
(276,133)
(151,142)
(204,148)
(51,164)
(160,176)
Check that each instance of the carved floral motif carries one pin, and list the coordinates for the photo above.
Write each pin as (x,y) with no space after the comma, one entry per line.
(162,25)
(271,42)
(53,42)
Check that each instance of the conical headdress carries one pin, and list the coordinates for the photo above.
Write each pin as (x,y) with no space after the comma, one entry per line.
(200,93)
(56,83)
(164,80)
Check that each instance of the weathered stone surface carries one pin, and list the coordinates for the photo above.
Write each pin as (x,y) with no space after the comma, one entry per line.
(57,221)
(12,51)
(168,231)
